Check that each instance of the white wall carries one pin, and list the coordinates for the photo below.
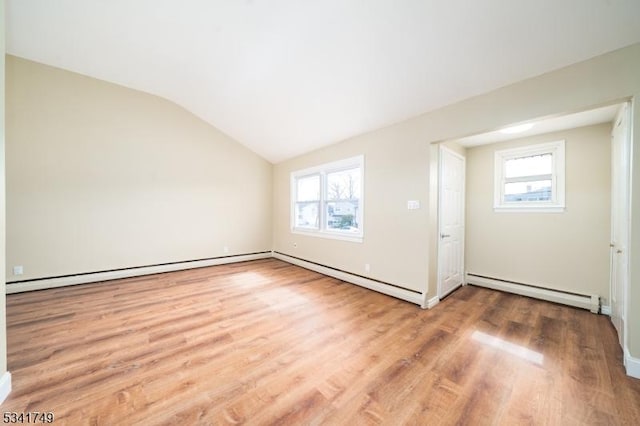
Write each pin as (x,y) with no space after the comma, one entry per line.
(3,323)
(5,376)
(102,177)
(565,251)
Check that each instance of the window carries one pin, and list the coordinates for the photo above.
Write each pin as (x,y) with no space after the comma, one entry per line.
(327,200)
(530,178)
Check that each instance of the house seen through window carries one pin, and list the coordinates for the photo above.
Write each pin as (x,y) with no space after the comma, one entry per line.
(327,199)
(530,178)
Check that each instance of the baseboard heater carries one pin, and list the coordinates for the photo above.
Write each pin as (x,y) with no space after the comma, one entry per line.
(372,284)
(584,301)
(135,271)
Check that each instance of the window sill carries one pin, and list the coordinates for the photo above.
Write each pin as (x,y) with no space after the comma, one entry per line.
(529,209)
(354,238)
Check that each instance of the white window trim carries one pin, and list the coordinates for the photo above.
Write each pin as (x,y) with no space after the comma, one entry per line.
(323,170)
(557,204)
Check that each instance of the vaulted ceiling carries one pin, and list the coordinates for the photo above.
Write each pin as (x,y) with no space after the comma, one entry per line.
(284,77)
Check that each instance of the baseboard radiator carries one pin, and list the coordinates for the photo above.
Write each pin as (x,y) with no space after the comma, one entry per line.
(372,284)
(584,301)
(136,271)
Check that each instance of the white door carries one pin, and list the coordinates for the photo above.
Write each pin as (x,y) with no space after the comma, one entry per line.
(620,197)
(451,221)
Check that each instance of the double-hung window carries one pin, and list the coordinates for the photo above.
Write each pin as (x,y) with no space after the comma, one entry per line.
(327,200)
(307,205)
(530,178)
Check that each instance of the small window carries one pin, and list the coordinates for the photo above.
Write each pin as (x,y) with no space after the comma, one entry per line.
(327,200)
(530,178)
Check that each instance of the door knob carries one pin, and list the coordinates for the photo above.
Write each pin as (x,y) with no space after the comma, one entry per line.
(444,235)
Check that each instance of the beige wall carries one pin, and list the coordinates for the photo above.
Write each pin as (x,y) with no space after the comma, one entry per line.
(455,147)
(397,160)
(395,239)
(565,251)
(3,320)
(102,177)
(102,161)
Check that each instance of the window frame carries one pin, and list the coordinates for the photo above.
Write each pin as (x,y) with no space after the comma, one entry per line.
(323,170)
(557,202)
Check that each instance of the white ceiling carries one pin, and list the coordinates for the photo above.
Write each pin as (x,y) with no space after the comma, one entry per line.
(552,124)
(284,77)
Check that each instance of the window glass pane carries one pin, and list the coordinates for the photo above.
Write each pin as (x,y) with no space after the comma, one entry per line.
(528,166)
(308,188)
(344,185)
(343,215)
(306,215)
(327,200)
(528,191)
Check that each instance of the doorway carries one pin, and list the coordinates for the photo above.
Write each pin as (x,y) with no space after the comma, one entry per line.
(478,267)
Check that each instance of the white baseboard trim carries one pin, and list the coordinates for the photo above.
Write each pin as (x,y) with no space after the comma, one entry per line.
(589,302)
(605,310)
(5,386)
(429,303)
(409,296)
(20,287)
(433,302)
(631,364)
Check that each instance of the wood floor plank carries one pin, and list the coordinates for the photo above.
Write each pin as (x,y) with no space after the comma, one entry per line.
(266,342)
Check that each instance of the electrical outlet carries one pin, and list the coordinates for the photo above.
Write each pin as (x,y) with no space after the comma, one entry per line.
(295,245)
(18,270)
(225,249)
(367,267)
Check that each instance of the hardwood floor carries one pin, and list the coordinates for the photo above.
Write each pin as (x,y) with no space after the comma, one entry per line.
(265,342)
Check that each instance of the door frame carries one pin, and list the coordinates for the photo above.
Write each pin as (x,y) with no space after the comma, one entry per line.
(441,149)
(626,114)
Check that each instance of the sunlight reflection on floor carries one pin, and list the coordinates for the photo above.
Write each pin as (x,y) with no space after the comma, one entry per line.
(512,348)
(276,296)
(264,292)
(250,280)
